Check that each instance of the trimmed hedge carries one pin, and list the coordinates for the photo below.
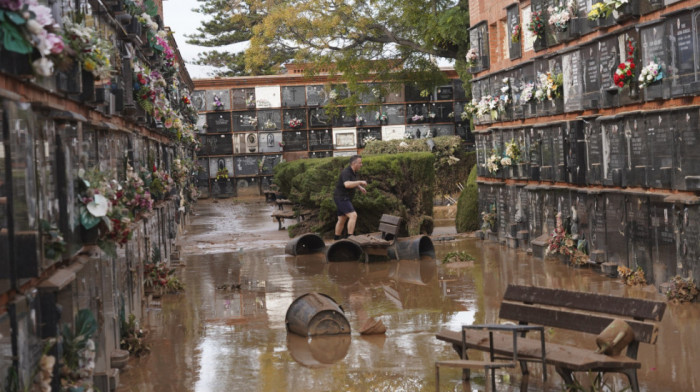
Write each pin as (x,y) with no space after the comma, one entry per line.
(467,218)
(397,184)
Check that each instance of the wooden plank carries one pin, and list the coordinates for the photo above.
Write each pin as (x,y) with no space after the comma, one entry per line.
(560,355)
(582,322)
(388,228)
(469,364)
(627,307)
(283,214)
(390,219)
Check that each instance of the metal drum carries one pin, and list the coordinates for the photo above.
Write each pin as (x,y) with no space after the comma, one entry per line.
(319,351)
(305,244)
(345,250)
(412,248)
(316,314)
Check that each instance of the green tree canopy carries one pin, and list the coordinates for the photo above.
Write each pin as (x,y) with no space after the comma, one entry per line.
(382,40)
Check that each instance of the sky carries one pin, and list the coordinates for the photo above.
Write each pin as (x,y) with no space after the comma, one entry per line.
(178,15)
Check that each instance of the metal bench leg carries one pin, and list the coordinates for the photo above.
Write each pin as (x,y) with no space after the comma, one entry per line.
(632,377)
(523,368)
(493,378)
(437,378)
(567,375)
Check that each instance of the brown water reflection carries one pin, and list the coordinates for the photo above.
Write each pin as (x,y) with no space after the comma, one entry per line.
(214,339)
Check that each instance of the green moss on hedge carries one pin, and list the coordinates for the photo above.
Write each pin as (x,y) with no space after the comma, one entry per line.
(398,184)
(467,218)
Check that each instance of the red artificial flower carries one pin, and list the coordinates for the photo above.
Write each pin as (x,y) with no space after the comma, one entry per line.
(629,72)
(622,66)
(631,65)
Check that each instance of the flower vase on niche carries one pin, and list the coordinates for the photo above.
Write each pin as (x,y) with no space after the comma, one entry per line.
(218,105)
(89,236)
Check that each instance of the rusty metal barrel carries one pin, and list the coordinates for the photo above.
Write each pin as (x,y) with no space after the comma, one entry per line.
(412,248)
(305,244)
(315,314)
(318,351)
(345,250)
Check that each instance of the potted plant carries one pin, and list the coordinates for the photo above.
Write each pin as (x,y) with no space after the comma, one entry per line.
(537,28)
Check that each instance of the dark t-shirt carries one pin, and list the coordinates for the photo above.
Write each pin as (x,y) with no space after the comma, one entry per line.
(341,192)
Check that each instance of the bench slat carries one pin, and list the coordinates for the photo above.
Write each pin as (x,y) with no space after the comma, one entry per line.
(388,228)
(627,307)
(589,323)
(573,358)
(390,219)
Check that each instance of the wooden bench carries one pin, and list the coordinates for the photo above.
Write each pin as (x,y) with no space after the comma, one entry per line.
(576,311)
(377,244)
(283,202)
(271,195)
(281,216)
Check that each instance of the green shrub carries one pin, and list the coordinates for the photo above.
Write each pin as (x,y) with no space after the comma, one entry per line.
(397,184)
(467,218)
(452,160)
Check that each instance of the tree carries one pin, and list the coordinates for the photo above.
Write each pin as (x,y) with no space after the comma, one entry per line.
(383,40)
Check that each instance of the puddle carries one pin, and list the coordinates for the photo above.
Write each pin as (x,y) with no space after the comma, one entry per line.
(227,333)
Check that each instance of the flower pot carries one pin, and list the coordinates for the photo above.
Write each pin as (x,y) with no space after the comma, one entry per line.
(539,44)
(69,81)
(626,12)
(134,27)
(88,80)
(89,236)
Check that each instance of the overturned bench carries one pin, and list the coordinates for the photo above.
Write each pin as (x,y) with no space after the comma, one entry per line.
(576,311)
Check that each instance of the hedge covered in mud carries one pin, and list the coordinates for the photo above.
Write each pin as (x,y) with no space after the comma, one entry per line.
(452,160)
(467,218)
(397,184)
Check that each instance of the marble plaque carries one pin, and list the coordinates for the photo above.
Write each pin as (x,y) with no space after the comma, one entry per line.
(595,206)
(663,239)
(417,113)
(396,114)
(373,94)
(268,97)
(512,20)
(479,39)
(560,148)
(661,138)
(480,145)
(199,100)
(215,164)
(458,88)
(575,145)
(649,6)
(421,131)
(344,138)
(442,130)
(270,142)
(316,95)
(395,94)
(219,122)
(534,208)
(629,94)
(393,132)
(217,145)
(444,93)
(245,121)
(368,116)
(269,120)
(243,98)
(320,139)
(413,93)
(590,76)
(534,141)
(289,115)
(689,246)
(654,48)
(682,68)
(443,112)
(293,96)
(201,124)
(366,134)
(608,61)
(688,137)
(594,151)
(614,151)
(547,162)
(616,228)
(344,153)
(573,81)
(295,140)
(268,163)
(247,165)
(223,97)
(580,216)
(639,240)
(638,148)
(203,169)
(344,119)
(319,119)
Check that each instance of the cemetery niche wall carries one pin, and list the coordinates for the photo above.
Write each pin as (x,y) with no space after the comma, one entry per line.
(595,121)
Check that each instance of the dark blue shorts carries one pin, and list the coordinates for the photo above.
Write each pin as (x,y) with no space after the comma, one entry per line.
(344,207)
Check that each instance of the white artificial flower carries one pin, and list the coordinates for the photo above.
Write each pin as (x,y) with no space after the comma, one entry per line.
(43,66)
(99,206)
(34,27)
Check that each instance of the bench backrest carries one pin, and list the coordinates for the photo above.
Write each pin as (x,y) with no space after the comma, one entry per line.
(389,226)
(579,311)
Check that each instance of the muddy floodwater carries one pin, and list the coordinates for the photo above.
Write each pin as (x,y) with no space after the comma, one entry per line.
(219,336)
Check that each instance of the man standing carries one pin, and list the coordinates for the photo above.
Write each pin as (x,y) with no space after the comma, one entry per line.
(344,191)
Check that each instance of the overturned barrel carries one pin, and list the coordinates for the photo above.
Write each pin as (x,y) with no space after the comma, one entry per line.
(412,248)
(305,244)
(315,314)
(318,351)
(345,250)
